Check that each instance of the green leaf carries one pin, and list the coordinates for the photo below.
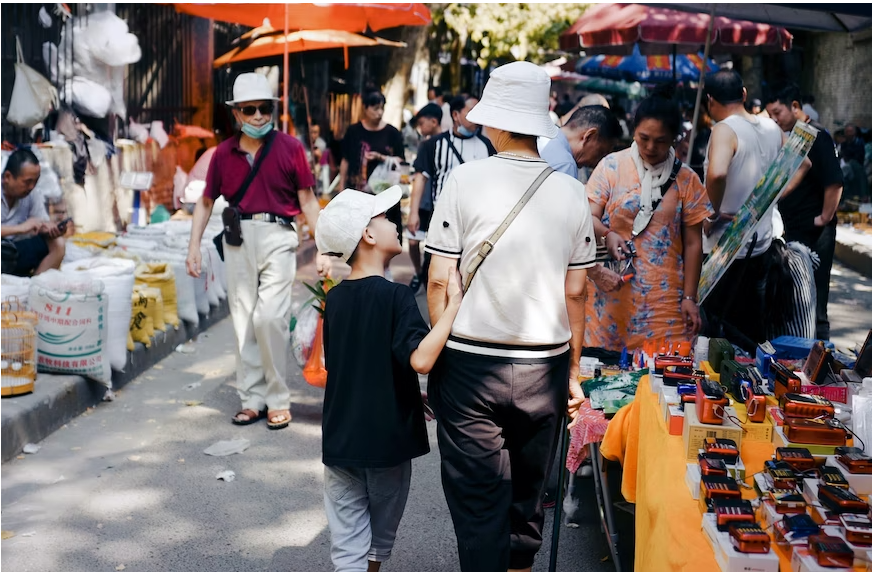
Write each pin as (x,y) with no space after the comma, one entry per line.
(318,292)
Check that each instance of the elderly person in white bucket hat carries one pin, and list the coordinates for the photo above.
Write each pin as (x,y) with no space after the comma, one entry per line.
(265,177)
(510,367)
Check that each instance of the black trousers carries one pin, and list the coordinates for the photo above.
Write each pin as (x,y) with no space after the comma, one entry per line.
(822,241)
(498,425)
(738,299)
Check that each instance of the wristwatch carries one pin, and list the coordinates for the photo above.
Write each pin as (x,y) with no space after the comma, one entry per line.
(691,298)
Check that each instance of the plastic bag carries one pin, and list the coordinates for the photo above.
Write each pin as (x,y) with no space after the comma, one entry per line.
(32,95)
(304,331)
(314,371)
(384,176)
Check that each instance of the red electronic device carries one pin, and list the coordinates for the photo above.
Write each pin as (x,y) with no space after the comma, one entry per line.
(806,406)
(787,503)
(818,364)
(710,402)
(800,459)
(854,460)
(785,380)
(666,363)
(722,448)
(805,431)
(857,528)
(755,402)
(729,511)
(830,551)
(841,501)
(717,487)
(712,466)
(782,475)
(749,538)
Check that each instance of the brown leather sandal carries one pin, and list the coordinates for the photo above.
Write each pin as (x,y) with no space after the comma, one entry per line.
(251,415)
(271,414)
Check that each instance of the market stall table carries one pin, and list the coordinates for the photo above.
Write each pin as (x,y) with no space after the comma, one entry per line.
(668,523)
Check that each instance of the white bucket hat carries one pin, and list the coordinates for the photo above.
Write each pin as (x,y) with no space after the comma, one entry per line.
(516,99)
(251,87)
(342,222)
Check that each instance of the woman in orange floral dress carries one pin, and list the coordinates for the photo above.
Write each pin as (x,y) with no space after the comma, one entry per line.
(659,301)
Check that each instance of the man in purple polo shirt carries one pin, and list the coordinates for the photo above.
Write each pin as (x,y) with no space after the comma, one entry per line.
(262,269)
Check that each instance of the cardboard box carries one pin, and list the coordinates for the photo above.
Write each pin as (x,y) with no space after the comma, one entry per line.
(859,483)
(695,432)
(693,480)
(731,560)
(832,392)
(754,431)
(780,441)
(674,421)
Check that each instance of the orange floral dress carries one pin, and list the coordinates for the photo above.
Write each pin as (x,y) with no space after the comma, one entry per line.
(648,306)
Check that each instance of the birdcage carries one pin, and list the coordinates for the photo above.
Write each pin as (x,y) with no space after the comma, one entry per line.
(17,356)
(13,310)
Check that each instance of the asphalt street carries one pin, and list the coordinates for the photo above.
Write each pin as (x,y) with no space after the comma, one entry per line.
(127,485)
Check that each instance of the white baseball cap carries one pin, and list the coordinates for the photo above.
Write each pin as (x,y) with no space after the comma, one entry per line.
(516,99)
(251,87)
(342,222)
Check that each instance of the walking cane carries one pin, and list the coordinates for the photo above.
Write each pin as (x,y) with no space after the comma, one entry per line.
(560,495)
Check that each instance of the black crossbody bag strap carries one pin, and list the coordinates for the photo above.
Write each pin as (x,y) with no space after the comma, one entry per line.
(235,200)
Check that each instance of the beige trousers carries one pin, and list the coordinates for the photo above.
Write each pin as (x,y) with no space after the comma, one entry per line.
(260,275)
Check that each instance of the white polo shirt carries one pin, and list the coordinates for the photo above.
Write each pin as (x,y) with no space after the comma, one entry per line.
(515,307)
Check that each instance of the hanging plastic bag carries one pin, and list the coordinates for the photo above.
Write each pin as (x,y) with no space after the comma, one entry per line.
(384,176)
(314,371)
(303,331)
(32,95)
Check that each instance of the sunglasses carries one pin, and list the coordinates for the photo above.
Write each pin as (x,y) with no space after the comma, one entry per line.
(265,109)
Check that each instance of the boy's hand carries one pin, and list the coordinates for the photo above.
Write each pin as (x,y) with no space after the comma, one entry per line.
(454,286)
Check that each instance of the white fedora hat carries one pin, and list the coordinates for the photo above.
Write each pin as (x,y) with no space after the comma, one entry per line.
(516,99)
(251,87)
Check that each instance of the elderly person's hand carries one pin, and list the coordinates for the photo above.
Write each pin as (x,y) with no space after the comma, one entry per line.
(616,245)
(690,316)
(606,279)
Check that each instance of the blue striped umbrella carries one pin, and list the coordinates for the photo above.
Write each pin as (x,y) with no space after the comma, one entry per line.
(637,67)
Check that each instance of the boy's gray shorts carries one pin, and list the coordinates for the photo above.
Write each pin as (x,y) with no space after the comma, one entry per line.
(364,507)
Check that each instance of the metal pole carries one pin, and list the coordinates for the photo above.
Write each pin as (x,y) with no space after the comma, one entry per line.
(286,107)
(701,84)
(560,494)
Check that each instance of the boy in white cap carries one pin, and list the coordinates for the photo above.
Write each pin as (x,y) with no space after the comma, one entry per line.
(375,343)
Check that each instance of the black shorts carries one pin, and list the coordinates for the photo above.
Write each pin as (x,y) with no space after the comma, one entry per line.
(31,251)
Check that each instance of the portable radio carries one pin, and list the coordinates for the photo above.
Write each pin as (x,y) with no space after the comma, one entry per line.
(800,459)
(709,396)
(673,365)
(841,501)
(785,381)
(731,371)
(755,402)
(720,487)
(805,431)
(782,475)
(712,466)
(729,511)
(818,363)
(787,503)
(799,526)
(830,551)
(854,460)
(832,476)
(719,349)
(857,529)
(806,406)
(721,448)
(749,538)
(681,378)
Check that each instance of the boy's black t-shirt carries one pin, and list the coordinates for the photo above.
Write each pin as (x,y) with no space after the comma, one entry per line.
(373,415)
(805,203)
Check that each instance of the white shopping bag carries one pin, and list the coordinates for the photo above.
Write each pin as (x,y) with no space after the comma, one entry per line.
(32,95)
(384,176)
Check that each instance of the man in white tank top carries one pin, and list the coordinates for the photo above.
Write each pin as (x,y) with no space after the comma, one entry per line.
(742,147)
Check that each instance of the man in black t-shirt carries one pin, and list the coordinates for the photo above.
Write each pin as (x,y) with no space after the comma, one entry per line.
(809,210)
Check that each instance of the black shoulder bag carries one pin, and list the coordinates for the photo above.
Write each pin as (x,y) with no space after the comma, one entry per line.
(232,233)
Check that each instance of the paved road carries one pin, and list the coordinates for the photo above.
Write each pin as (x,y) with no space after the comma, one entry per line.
(128,484)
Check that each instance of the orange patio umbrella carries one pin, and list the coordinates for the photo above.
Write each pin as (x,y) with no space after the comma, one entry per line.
(349,17)
(270,42)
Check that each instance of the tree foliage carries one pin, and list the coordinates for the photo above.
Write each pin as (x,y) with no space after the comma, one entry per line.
(507,31)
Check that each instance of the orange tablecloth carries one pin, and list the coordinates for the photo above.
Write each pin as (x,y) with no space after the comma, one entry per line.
(668,523)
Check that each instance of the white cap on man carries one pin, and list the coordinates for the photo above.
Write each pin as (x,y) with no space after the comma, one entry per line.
(251,87)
